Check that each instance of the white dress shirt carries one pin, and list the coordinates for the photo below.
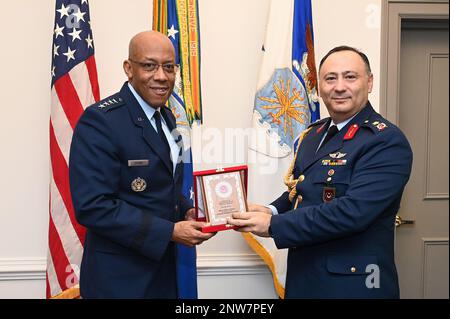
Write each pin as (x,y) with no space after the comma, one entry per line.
(149,112)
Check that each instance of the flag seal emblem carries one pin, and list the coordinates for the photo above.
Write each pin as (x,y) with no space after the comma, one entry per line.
(283,106)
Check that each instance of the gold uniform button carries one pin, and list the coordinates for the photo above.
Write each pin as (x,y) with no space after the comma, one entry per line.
(300,198)
(301,178)
(353,269)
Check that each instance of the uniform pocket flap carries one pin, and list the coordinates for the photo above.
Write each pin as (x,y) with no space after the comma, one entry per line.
(349,265)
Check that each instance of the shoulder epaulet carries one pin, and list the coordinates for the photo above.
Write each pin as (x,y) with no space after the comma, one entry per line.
(318,122)
(110,103)
(376,123)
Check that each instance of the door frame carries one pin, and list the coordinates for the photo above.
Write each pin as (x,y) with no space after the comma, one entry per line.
(392,14)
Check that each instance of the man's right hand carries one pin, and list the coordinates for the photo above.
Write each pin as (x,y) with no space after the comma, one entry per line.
(259,208)
(189,233)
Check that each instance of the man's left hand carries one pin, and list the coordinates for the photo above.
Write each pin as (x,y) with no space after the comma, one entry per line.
(253,222)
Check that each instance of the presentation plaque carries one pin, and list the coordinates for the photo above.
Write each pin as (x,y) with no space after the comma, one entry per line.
(218,194)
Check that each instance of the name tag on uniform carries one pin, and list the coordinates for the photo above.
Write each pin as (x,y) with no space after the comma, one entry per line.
(141,162)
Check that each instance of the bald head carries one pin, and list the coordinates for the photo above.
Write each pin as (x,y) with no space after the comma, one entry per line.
(146,41)
(150,67)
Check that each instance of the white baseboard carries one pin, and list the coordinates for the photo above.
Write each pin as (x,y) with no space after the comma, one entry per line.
(207,265)
(22,269)
(25,277)
(230,264)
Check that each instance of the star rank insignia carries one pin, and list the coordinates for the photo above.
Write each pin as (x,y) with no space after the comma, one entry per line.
(379,126)
(110,102)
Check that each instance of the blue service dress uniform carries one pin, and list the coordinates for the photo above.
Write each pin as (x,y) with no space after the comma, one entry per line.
(342,231)
(125,193)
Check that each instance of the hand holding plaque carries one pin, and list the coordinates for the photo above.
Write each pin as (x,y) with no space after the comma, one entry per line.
(219,193)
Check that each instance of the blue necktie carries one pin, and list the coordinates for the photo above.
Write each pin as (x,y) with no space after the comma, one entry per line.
(332,131)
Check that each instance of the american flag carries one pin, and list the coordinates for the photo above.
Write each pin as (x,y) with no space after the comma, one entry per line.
(74,87)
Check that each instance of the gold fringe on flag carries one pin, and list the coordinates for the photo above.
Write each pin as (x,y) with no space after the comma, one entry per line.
(257,247)
(71,293)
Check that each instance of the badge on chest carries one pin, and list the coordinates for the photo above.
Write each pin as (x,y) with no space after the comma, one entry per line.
(335,159)
(329,191)
(138,185)
(328,194)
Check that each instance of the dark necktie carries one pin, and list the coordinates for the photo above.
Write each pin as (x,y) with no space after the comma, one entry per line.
(162,136)
(332,131)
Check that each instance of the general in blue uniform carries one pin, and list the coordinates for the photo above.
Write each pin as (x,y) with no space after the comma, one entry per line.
(338,243)
(126,182)
(338,220)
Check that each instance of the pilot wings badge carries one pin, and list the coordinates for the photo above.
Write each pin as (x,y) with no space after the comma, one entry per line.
(337,155)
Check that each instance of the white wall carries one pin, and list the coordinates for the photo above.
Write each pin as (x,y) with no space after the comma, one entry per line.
(352,22)
(231,42)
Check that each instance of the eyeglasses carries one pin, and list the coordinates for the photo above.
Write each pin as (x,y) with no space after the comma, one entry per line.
(168,68)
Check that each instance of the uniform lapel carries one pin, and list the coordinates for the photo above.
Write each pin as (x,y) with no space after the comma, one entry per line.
(308,155)
(152,138)
(169,119)
(309,146)
(171,123)
(333,144)
(148,132)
